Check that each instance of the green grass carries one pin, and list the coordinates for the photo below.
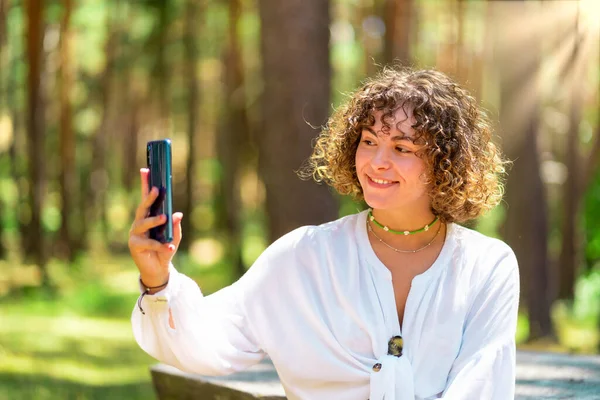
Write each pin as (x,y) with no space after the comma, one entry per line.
(75,344)
(70,357)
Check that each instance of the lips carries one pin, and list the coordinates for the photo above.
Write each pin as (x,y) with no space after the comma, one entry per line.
(380,182)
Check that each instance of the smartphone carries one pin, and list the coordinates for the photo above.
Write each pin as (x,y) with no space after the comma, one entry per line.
(158,156)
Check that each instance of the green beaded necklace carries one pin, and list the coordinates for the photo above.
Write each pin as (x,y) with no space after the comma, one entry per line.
(406,233)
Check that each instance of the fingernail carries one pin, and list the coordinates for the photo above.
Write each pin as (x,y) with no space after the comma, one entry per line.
(171,247)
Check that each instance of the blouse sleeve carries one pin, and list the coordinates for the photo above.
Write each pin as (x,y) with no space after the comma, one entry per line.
(486,363)
(211,335)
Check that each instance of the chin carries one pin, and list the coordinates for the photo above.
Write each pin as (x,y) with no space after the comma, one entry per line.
(380,204)
(397,203)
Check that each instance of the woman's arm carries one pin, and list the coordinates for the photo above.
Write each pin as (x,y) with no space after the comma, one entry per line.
(206,335)
(485,365)
(178,325)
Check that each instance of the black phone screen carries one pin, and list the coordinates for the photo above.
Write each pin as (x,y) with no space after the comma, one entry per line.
(159,164)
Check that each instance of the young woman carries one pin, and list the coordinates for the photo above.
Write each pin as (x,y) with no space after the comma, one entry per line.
(396,302)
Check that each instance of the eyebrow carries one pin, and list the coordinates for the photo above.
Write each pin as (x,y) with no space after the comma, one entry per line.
(397,138)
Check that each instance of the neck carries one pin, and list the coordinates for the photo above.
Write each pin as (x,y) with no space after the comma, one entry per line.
(407,222)
(404,221)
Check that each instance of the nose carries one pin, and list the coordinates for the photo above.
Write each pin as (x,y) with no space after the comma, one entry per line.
(381,158)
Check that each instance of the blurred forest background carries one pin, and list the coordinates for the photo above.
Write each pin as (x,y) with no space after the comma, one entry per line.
(241,87)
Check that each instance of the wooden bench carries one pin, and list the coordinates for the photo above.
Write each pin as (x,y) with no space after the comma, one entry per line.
(539,376)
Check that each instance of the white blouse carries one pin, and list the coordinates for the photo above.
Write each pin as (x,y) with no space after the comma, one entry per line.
(321,305)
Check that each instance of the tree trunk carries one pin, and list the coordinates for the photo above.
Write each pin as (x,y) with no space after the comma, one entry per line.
(4,6)
(35,129)
(4,105)
(399,20)
(296,73)
(129,101)
(131,166)
(233,143)
(98,180)
(17,152)
(162,79)
(570,255)
(4,53)
(67,136)
(592,169)
(473,74)
(192,18)
(450,54)
(370,36)
(526,225)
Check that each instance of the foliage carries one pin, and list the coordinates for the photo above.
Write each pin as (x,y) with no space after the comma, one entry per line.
(577,322)
(586,308)
(592,221)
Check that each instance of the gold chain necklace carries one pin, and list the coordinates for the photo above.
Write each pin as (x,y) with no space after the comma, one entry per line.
(370,229)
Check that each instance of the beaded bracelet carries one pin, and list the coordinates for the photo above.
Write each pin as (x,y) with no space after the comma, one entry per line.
(147,291)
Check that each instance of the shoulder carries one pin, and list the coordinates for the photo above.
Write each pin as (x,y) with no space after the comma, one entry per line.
(300,259)
(475,244)
(488,257)
(306,247)
(314,238)
(486,270)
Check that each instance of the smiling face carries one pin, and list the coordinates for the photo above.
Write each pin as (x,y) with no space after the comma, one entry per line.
(388,168)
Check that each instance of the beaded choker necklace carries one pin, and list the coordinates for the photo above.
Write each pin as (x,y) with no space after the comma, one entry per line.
(404,251)
(385,228)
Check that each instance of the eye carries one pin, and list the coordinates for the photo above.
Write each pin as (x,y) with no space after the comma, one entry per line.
(403,150)
(368,142)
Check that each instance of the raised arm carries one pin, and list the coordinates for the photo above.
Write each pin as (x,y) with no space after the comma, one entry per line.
(178,325)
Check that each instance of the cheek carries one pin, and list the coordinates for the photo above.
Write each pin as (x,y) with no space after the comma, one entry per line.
(359,159)
(416,169)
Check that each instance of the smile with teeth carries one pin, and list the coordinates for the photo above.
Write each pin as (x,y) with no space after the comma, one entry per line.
(381,181)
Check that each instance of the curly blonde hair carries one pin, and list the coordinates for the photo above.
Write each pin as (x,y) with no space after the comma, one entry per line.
(465,169)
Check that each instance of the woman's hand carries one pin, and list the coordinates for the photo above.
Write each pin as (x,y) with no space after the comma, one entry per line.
(150,256)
